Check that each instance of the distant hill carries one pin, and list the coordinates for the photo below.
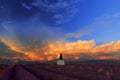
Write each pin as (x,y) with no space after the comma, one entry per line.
(95,62)
(5,61)
(20,62)
(88,62)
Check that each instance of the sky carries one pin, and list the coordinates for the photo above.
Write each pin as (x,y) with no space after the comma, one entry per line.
(39,30)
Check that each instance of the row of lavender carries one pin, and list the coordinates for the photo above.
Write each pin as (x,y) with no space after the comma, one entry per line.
(47,75)
(20,73)
(15,73)
(88,72)
(5,72)
(54,72)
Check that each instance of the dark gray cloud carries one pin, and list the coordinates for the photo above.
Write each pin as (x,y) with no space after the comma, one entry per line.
(3,46)
(7,53)
(33,22)
(35,19)
(32,35)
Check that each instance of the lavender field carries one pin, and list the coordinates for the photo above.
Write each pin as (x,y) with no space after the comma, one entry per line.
(55,72)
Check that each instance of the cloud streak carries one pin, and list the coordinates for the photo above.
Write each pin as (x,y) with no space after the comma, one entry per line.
(78,34)
(60,11)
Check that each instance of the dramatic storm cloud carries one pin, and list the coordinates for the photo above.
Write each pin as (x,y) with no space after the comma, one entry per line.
(42,29)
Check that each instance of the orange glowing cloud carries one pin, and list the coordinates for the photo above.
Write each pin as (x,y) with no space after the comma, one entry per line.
(71,50)
(107,47)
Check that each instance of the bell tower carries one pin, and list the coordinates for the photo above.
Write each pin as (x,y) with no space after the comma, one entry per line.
(60,56)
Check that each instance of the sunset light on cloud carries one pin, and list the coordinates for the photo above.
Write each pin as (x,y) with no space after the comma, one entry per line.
(51,50)
(39,30)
